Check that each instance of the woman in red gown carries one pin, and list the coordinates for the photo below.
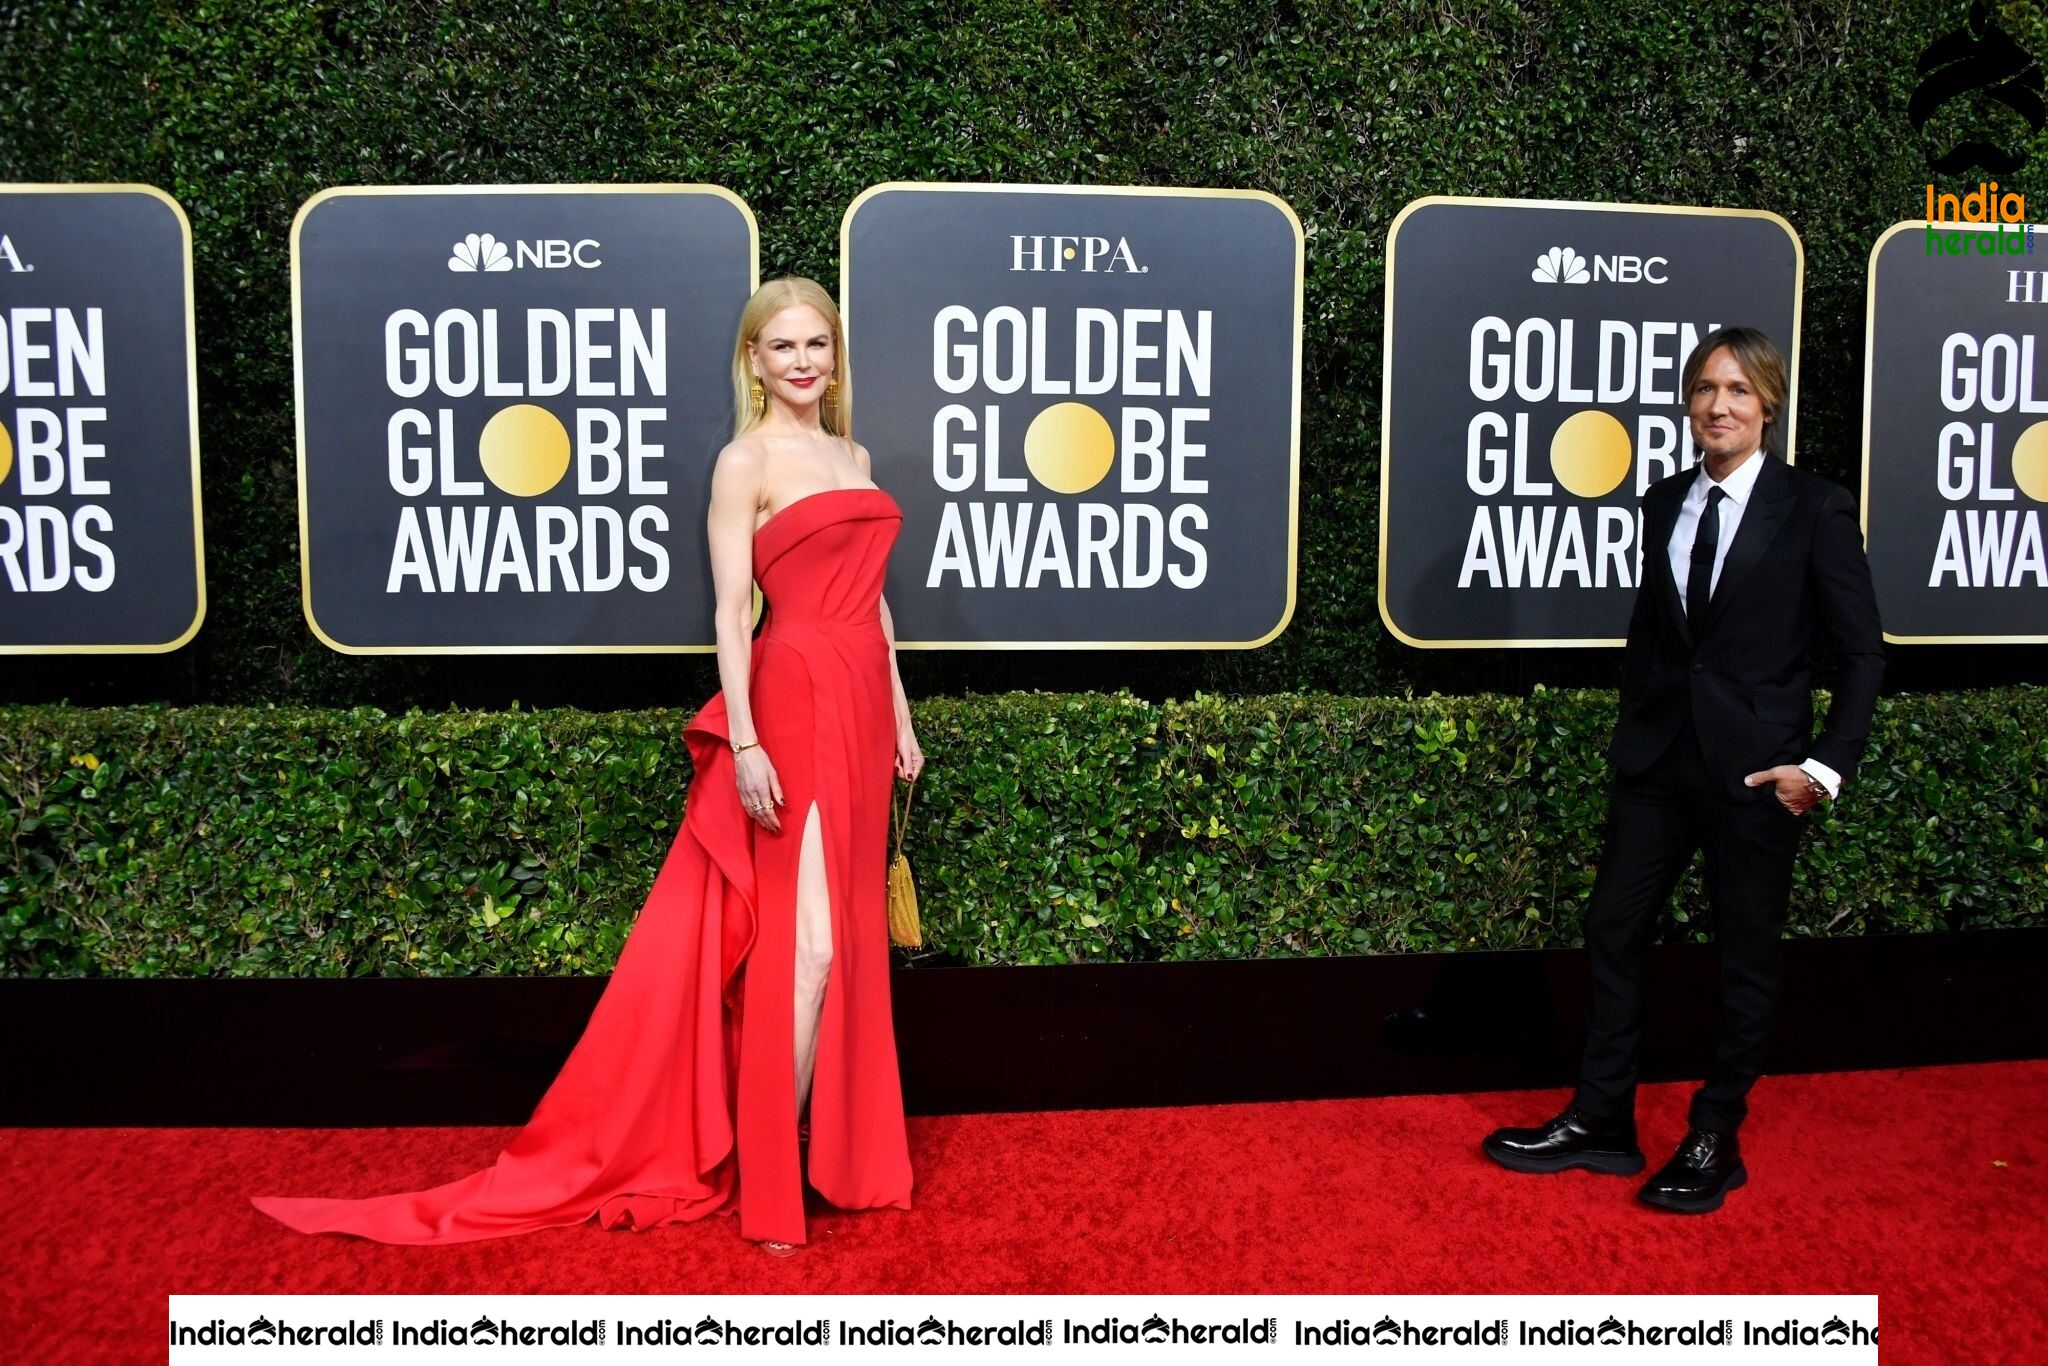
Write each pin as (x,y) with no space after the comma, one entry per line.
(756,979)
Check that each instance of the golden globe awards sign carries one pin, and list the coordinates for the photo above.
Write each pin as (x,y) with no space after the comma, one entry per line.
(1955,435)
(1533,353)
(100,546)
(510,398)
(1087,403)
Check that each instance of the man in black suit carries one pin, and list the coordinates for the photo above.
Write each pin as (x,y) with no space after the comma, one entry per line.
(1746,562)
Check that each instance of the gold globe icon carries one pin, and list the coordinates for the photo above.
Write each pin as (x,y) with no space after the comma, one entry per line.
(1590,453)
(6,454)
(2030,462)
(1069,448)
(524,450)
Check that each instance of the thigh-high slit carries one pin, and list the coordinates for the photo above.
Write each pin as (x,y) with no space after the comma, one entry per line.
(679,1099)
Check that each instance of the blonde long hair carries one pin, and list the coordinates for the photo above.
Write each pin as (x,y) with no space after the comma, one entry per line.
(769,300)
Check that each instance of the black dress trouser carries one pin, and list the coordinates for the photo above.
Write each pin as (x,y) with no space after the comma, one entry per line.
(1654,824)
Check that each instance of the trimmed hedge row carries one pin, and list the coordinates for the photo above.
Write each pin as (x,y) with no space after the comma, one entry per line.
(1347,110)
(1048,828)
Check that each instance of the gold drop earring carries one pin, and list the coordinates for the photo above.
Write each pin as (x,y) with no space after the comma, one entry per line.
(758,396)
(832,393)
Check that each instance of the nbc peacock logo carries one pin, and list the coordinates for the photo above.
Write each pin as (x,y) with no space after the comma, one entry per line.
(1560,265)
(480,251)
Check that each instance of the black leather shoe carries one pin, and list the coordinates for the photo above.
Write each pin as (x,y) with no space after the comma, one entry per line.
(1573,1139)
(1699,1175)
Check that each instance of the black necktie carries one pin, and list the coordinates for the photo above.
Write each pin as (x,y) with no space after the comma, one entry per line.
(1699,579)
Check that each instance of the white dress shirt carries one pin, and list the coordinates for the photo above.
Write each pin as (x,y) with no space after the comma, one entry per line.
(1738,485)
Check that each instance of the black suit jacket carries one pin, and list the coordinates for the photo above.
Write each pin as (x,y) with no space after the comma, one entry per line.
(1796,570)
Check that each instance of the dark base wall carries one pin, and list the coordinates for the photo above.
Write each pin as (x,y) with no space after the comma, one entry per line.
(481,1050)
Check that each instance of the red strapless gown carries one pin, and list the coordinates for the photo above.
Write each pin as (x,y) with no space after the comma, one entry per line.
(679,1100)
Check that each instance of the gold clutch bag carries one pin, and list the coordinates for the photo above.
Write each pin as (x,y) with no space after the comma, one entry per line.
(904,932)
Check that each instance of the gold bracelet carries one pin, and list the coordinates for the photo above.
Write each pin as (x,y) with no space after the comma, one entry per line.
(738,750)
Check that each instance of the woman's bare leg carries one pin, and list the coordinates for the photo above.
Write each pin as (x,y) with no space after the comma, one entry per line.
(813,951)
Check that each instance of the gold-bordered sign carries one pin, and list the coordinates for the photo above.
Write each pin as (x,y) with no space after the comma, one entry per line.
(1548,266)
(1013,255)
(93,253)
(1916,527)
(520,451)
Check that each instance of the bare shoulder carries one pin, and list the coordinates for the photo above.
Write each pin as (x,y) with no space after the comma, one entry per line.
(860,458)
(743,460)
(739,476)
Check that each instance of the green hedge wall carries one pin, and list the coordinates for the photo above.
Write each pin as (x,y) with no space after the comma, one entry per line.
(244,108)
(1049,828)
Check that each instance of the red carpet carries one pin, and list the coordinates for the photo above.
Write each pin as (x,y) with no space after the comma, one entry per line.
(1928,1187)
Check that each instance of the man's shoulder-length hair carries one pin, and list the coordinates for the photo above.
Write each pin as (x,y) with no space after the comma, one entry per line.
(1762,361)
